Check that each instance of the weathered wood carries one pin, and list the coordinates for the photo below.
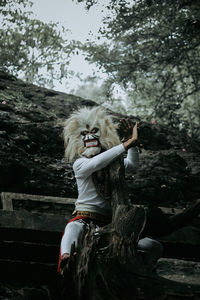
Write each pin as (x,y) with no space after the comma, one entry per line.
(181,219)
(116,272)
(17,201)
(7,199)
(117,182)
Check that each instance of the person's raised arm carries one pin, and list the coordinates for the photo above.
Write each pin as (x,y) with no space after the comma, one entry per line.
(130,138)
(86,166)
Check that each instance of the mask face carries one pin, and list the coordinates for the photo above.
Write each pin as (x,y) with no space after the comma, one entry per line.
(90,138)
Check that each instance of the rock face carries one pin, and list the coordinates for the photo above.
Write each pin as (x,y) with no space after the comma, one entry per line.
(31,153)
(31,138)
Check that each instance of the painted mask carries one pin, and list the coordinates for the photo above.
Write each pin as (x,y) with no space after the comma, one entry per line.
(90,138)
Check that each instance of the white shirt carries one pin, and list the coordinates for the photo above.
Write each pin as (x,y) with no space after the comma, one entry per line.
(88,199)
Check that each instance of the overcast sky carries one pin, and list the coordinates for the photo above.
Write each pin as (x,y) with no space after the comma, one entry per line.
(80,23)
(71,15)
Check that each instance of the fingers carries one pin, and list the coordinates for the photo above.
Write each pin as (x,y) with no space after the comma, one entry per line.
(125,124)
(137,124)
(127,130)
(129,123)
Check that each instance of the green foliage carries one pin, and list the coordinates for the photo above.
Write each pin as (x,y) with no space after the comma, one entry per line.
(153,52)
(90,88)
(30,47)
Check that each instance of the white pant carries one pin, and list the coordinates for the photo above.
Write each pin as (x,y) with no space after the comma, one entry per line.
(73,230)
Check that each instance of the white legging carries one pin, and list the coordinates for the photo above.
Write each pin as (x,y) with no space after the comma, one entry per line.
(73,230)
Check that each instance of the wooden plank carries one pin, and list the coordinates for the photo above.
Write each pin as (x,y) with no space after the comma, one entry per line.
(7,199)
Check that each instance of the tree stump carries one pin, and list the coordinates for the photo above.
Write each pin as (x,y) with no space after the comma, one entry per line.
(108,265)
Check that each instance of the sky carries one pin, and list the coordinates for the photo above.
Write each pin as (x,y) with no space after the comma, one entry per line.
(81,24)
(70,14)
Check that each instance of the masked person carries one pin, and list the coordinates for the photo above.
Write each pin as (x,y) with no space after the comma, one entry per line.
(92,144)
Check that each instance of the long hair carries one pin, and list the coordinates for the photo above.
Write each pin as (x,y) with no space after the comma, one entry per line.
(92,117)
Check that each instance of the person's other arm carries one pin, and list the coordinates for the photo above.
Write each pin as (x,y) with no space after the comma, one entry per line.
(131,162)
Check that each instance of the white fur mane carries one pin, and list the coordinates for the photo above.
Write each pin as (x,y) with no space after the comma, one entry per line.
(94,117)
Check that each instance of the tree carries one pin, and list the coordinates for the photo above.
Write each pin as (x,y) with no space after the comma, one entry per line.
(153,49)
(89,88)
(31,48)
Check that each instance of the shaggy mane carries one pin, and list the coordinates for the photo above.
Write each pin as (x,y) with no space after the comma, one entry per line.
(94,117)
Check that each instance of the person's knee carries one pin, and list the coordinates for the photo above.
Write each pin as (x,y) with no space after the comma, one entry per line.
(151,246)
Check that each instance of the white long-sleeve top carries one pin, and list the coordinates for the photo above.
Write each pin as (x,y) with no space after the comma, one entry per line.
(88,199)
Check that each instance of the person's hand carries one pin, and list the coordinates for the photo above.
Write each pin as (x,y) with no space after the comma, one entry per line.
(126,129)
(63,263)
(66,260)
(131,142)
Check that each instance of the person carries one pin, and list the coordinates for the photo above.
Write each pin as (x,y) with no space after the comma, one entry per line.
(92,144)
